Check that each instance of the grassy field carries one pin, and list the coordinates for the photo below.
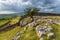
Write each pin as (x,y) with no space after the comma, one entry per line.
(28,34)
(56,31)
(8,35)
(3,22)
(14,20)
(31,34)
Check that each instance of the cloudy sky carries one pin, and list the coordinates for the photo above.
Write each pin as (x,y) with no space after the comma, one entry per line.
(17,6)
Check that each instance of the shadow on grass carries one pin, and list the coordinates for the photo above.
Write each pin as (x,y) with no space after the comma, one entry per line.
(10,27)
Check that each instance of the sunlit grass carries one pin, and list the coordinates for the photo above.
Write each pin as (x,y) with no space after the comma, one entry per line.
(3,22)
(13,21)
(29,35)
(27,19)
(56,30)
(8,35)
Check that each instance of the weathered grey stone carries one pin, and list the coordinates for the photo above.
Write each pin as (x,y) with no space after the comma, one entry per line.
(24,22)
(49,28)
(24,28)
(41,38)
(32,24)
(30,19)
(38,20)
(16,37)
(21,32)
(41,33)
(44,27)
(50,35)
(35,19)
(40,30)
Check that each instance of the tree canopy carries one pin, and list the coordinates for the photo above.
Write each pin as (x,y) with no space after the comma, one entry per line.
(31,11)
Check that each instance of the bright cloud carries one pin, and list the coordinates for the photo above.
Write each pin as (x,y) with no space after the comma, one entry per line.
(15,2)
(13,5)
(6,12)
(20,5)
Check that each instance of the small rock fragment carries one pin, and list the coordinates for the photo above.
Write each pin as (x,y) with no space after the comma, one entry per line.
(50,35)
(41,38)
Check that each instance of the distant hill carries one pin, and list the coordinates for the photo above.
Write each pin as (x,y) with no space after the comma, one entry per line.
(19,14)
(10,15)
(48,14)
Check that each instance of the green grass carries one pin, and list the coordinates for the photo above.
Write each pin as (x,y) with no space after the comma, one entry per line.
(27,19)
(3,22)
(56,30)
(13,21)
(29,35)
(8,35)
(41,23)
